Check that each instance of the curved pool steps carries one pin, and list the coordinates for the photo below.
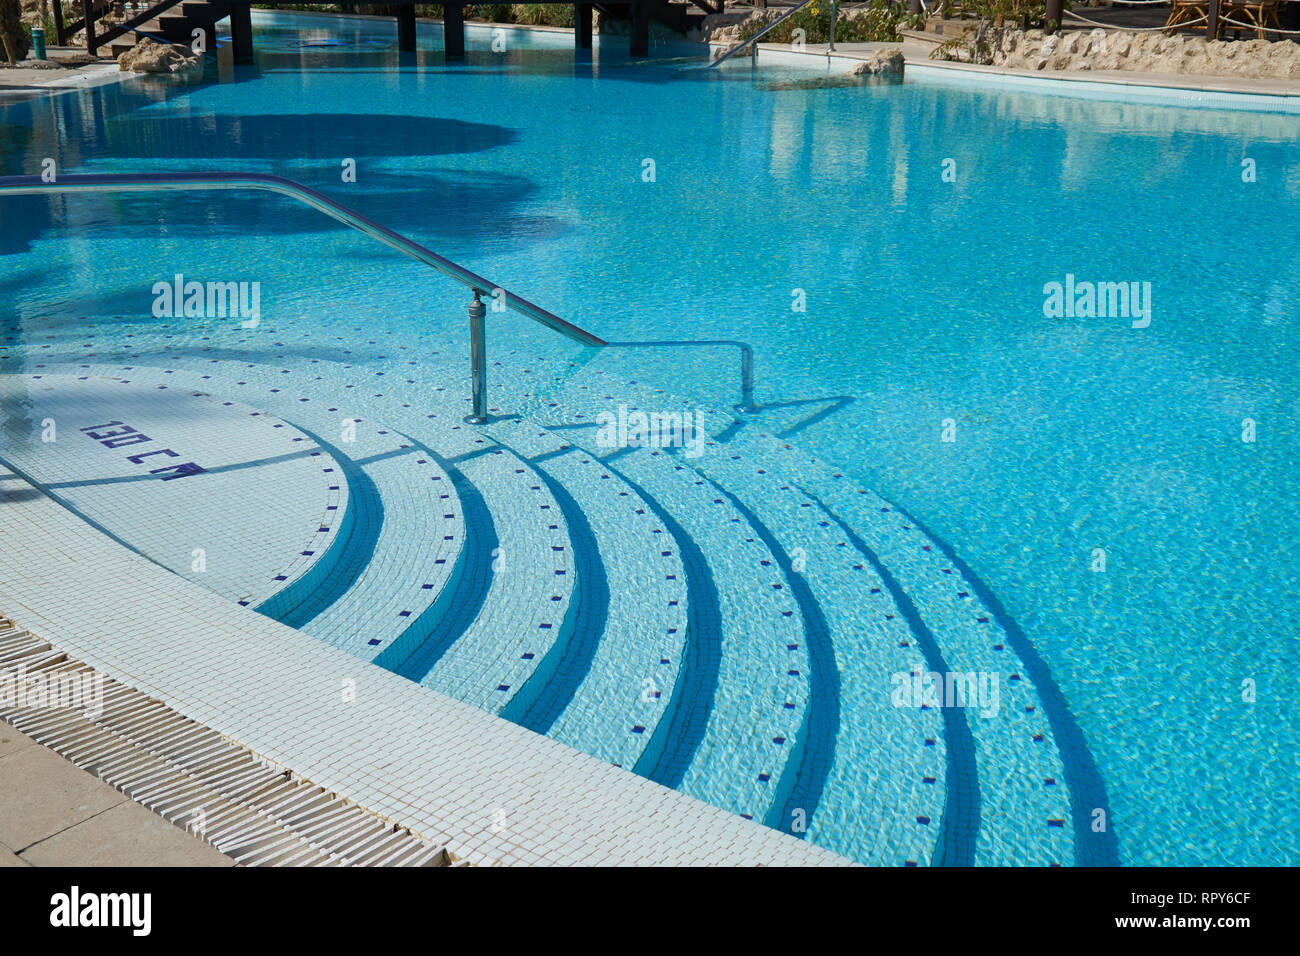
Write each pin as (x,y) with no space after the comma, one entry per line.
(754,637)
(525,611)
(618,693)
(409,570)
(1024,819)
(465,617)
(897,752)
(410,595)
(870,600)
(858,641)
(595,395)
(394,544)
(1028,818)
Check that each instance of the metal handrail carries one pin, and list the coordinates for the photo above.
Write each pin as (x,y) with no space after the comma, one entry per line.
(761,33)
(746,361)
(149,182)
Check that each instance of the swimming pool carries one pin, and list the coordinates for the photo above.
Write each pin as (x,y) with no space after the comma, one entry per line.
(924,320)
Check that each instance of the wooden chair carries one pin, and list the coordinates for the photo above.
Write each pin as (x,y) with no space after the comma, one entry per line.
(1185,11)
(1258,13)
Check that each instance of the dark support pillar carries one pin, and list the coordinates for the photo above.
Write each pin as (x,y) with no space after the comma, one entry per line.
(406,28)
(914,6)
(1212,26)
(582,14)
(1055,11)
(640,30)
(453,31)
(241,32)
(60,32)
(88,8)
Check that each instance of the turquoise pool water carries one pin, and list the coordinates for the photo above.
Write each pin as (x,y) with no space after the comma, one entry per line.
(925,303)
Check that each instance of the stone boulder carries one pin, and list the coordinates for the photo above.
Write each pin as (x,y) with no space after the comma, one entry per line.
(169,59)
(721,27)
(882,61)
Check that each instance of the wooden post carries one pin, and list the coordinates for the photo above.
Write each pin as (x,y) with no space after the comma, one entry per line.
(453,31)
(1212,24)
(1055,13)
(406,28)
(582,16)
(60,32)
(241,32)
(640,30)
(88,6)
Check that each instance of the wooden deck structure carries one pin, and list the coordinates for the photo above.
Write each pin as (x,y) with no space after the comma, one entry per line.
(176,20)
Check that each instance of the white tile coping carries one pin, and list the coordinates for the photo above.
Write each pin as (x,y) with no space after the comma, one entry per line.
(495,793)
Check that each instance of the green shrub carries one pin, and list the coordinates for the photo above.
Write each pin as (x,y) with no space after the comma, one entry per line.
(544,14)
(880,21)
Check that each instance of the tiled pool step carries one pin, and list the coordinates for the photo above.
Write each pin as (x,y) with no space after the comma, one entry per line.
(406,545)
(873,771)
(197,779)
(516,622)
(454,595)
(905,746)
(407,569)
(108,449)
(1025,819)
(612,693)
(748,648)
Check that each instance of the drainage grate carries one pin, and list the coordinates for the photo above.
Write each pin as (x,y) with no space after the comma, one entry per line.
(197,779)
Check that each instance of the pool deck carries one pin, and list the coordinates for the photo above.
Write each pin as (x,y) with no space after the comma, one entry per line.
(25,82)
(917,54)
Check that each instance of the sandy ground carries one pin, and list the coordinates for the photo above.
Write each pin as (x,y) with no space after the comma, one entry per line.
(66,68)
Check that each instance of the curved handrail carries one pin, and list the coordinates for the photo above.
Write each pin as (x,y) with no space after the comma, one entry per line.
(148,182)
(761,33)
(746,361)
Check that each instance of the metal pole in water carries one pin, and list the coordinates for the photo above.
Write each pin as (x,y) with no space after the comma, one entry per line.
(477,362)
(747,403)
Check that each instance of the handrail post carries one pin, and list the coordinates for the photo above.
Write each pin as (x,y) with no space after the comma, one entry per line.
(746,380)
(477,362)
(834,12)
